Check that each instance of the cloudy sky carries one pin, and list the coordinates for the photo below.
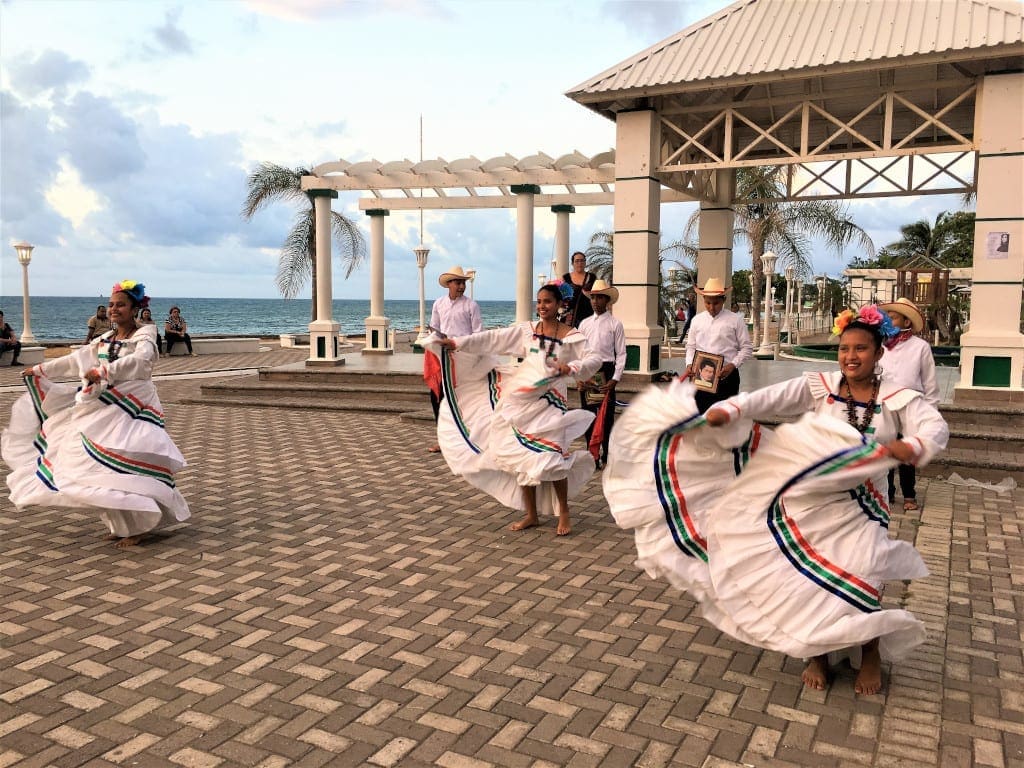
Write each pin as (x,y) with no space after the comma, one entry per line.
(128,129)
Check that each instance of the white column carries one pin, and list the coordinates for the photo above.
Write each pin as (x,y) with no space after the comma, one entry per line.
(786,327)
(378,337)
(992,352)
(714,231)
(524,249)
(637,229)
(422,252)
(768,260)
(561,238)
(323,332)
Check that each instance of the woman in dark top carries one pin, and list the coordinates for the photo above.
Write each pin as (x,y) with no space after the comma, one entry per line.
(581,282)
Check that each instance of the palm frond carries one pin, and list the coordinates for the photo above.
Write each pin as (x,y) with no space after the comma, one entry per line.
(295,266)
(350,242)
(269,183)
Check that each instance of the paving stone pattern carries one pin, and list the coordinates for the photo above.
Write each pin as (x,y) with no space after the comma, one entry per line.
(339,599)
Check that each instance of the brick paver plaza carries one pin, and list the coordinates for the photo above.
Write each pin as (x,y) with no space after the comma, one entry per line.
(338,598)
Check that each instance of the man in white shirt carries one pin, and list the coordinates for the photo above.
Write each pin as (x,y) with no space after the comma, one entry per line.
(452,315)
(606,337)
(908,362)
(718,331)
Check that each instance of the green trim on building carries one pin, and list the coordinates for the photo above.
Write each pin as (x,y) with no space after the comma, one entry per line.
(563,209)
(1000,154)
(636,231)
(378,212)
(637,178)
(331,193)
(321,347)
(991,372)
(1000,218)
(520,189)
(632,357)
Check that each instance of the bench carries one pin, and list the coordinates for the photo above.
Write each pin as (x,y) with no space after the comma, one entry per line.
(29,356)
(217,346)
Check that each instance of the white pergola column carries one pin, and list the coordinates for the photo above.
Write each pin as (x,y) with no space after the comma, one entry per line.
(524,249)
(992,352)
(378,337)
(323,332)
(562,237)
(637,228)
(714,231)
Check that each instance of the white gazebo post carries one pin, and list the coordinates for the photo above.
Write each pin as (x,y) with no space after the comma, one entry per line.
(768,260)
(323,332)
(560,263)
(790,275)
(471,277)
(525,194)
(24,257)
(422,252)
(378,339)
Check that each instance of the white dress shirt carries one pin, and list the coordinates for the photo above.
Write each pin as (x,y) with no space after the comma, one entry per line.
(725,335)
(460,317)
(607,338)
(910,364)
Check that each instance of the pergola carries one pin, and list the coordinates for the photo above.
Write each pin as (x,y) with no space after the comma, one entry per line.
(861,99)
(562,183)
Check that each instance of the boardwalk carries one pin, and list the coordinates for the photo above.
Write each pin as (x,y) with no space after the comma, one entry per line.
(338,598)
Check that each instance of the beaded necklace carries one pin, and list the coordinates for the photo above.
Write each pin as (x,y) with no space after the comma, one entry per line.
(538,333)
(851,408)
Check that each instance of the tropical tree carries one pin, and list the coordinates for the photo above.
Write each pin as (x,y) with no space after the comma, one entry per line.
(767,223)
(297,265)
(949,241)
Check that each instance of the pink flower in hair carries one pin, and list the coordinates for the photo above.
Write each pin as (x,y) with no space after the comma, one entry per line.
(871,315)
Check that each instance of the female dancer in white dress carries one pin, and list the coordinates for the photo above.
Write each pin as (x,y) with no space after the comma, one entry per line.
(509,433)
(101,443)
(788,548)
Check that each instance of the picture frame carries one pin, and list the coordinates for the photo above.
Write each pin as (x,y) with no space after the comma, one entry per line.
(703,379)
(592,394)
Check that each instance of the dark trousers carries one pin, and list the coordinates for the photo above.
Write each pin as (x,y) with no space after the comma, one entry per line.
(727,387)
(435,404)
(15,345)
(173,338)
(908,479)
(608,369)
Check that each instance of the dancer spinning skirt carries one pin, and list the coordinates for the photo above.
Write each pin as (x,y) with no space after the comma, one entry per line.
(791,554)
(509,431)
(100,443)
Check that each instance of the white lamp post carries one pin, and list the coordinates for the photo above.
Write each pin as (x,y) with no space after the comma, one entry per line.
(768,260)
(541,279)
(471,277)
(24,257)
(790,274)
(422,252)
(799,307)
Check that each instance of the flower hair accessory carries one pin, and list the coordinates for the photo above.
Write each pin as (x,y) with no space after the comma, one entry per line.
(134,289)
(563,288)
(867,315)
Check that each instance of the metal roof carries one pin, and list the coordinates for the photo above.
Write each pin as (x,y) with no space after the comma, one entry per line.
(756,40)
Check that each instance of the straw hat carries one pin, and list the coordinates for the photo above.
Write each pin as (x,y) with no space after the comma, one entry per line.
(601,288)
(455,273)
(713,287)
(909,310)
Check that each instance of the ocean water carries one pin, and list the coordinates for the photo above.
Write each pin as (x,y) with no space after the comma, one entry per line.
(57,318)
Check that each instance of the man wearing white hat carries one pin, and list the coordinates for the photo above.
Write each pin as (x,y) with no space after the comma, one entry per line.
(908,362)
(718,331)
(605,336)
(452,315)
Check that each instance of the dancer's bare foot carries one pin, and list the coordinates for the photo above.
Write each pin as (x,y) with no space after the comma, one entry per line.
(128,541)
(815,675)
(869,679)
(564,526)
(530,521)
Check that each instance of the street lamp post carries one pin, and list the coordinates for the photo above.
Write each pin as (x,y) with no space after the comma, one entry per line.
(790,275)
(471,276)
(24,251)
(541,279)
(422,252)
(768,260)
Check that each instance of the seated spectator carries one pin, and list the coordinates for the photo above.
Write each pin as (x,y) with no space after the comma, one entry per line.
(9,340)
(98,324)
(146,318)
(175,330)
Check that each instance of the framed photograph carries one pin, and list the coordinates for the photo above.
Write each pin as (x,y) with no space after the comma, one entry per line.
(592,393)
(709,369)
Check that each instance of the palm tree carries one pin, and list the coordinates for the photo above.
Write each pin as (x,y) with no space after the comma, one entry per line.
(766,223)
(297,265)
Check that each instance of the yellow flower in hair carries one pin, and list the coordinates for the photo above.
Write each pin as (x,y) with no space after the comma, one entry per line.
(841,321)
(127,284)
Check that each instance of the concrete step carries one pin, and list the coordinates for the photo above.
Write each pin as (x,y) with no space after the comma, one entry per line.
(393,409)
(366,392)
(978,417)
(339,375)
